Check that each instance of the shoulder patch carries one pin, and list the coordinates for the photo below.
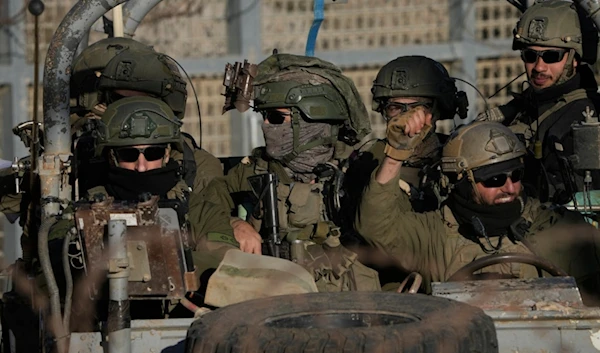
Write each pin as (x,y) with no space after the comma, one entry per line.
(247,160)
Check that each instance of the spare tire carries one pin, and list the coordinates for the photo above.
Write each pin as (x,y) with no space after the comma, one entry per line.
(345,322)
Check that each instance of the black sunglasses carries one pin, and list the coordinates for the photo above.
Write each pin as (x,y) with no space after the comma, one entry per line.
(499,180)
(392,109)
(131,154)
(550,56)
(274,116)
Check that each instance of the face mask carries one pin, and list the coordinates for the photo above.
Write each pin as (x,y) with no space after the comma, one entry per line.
(279,140)
(125,184)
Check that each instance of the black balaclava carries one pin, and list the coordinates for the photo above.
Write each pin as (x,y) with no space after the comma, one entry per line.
(125,184)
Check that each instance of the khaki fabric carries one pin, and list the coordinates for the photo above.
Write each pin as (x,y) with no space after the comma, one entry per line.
(431,244)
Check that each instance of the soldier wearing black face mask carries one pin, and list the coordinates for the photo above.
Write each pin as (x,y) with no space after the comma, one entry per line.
(135,137)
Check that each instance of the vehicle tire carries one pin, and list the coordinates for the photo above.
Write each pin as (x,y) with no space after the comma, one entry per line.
(345,322)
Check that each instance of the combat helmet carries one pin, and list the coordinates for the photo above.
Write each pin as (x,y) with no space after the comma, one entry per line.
(557,23)
(152,73)
(315,88)
(480,144)
(138,120)
(88,65)
(419,76)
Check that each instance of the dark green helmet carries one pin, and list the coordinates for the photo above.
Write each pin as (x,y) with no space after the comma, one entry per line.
(318,102)
(88,65)
(150,72)
(138,121)
(418,76)
(317,89)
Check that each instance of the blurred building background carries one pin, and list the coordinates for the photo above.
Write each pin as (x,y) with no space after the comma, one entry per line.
(471,37)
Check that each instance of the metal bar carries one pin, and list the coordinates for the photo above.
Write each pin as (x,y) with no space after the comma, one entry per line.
(134,12)
(55,322)
(119,318)
(54,163)
(118,20)
(16,74)
(83,43)
(347,59)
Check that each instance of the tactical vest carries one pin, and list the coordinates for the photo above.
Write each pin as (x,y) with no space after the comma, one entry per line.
(555,184)
(313,237)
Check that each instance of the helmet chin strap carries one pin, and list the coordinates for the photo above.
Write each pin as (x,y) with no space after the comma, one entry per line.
(471,179)
(569,69)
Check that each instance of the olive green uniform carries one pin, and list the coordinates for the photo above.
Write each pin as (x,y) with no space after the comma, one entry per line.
(207,165)
(302,216)
(431,243)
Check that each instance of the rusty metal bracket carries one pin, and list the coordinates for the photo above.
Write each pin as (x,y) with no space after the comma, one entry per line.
(138,258)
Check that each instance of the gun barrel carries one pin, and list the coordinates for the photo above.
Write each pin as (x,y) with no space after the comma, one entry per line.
(270,206)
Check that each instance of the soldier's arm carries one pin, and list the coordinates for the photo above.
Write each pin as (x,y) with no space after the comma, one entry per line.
(208,167)
(222,189)
(407,236)
(222,193)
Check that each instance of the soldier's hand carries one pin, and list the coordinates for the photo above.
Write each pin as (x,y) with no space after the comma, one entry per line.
(249,239)
(405,131)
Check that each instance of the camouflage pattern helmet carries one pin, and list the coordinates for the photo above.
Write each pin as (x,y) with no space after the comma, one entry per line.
(138,121)
(480,144)
(314,87)
(88,65)
(416,76)
(551,23)
(150,72)
(317,101)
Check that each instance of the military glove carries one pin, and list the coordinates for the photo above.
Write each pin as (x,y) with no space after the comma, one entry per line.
(400,146)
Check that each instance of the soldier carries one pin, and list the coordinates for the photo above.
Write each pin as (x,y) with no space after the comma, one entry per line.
(485,212)
(402,84)
(136,136)
(311,112)
(87,68)
(553,40)
(133,72)
(423,86)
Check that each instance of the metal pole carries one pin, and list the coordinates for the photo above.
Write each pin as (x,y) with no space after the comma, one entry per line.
(118,20)
(54,164)
(134,12)
(119,318)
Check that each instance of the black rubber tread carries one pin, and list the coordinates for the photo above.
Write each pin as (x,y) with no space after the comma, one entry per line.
(441,326)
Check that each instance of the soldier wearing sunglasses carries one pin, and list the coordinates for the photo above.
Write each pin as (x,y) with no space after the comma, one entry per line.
(123,69)
(135,138)
(311,112)
(422,86)
(485,212)
(556,43)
